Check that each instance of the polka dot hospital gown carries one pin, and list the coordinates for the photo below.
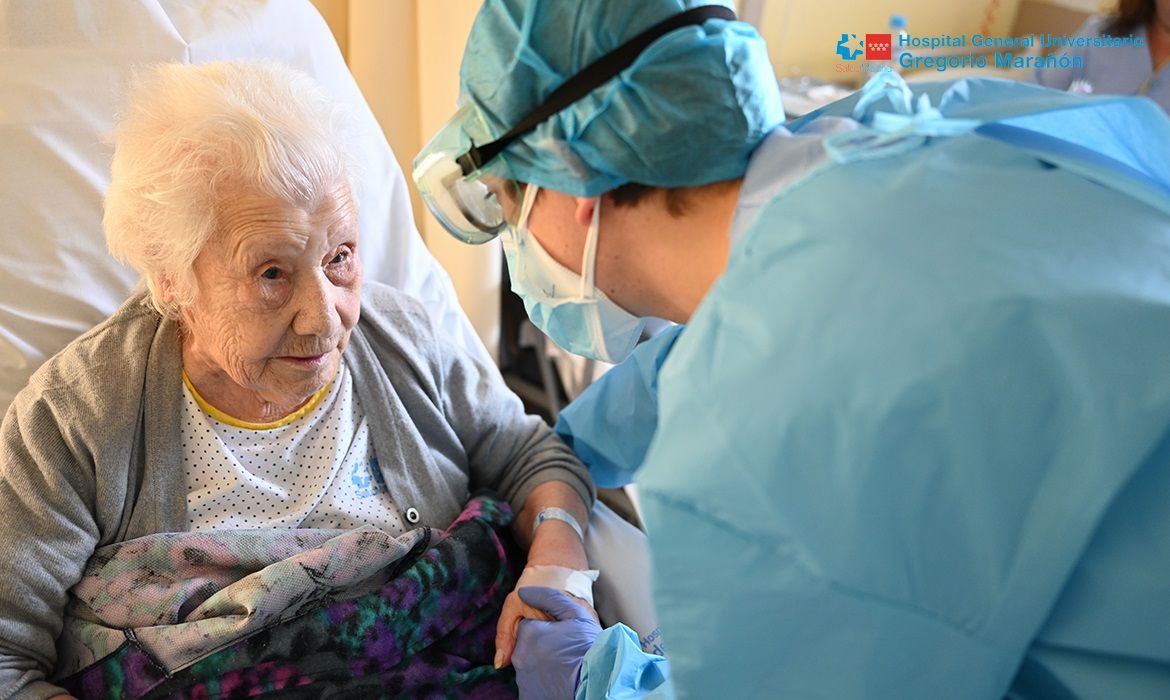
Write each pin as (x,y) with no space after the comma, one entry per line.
(313,469)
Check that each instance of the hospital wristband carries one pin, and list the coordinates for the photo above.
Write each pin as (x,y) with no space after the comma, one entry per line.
(554,513)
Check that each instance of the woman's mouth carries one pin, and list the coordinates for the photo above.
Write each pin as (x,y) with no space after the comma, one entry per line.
(307,361)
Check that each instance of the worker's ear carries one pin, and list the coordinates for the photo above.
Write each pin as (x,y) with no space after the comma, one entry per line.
(585,207)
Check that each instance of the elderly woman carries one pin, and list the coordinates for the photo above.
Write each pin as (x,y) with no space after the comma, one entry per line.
(256,383)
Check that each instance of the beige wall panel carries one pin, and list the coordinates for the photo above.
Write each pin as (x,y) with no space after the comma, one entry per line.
(443,26)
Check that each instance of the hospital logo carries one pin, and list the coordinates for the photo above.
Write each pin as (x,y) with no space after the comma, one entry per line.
(849,47)
(367,478)
(877,47)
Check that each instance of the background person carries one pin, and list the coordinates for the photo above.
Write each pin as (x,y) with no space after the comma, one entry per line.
(1121,70)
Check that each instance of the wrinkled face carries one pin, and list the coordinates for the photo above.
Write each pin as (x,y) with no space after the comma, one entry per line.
(278,295)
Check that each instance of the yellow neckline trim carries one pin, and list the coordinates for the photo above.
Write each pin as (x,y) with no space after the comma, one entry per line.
(222,417)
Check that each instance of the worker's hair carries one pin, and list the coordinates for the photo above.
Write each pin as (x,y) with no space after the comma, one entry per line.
(1130,15)
(678,200)
(191,137)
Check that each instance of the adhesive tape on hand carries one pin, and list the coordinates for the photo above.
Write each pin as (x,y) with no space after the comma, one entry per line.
(571,581)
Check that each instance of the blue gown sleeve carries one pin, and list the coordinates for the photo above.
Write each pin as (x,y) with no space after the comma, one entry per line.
(611,424)
(616,667)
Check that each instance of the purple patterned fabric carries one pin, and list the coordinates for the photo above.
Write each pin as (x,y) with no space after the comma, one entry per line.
(427,631)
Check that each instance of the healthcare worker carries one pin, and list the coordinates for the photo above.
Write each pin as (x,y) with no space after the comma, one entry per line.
(914,441)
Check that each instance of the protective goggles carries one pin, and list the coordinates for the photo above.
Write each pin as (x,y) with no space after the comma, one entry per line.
(462,173)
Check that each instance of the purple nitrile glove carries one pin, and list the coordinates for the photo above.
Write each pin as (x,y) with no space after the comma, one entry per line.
(548,654)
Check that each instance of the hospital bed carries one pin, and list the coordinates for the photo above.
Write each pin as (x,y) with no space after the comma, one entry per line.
(64,65)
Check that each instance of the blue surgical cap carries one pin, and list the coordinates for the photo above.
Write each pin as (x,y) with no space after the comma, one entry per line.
(689,111)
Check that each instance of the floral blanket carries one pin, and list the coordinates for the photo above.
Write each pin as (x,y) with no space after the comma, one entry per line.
(295,613)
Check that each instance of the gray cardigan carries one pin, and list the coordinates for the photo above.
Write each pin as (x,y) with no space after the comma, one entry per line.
(90,452)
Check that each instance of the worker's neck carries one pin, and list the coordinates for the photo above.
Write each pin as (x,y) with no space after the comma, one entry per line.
(691,251)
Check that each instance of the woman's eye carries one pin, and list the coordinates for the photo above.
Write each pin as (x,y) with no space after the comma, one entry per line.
(341,257)
(271,273)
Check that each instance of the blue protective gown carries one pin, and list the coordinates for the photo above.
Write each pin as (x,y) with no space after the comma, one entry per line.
(915,442)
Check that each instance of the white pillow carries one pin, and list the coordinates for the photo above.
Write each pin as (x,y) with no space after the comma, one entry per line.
(63,71)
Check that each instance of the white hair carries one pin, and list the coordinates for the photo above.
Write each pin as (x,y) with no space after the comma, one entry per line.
(192,135)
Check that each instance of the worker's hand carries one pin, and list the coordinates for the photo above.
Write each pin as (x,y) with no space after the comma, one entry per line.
(515,610)
(549,652)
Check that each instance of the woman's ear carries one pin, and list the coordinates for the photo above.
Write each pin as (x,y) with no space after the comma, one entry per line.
(585,206)
(165,286)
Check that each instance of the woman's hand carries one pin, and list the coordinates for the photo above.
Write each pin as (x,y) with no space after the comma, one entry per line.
(513,612)
(554,543)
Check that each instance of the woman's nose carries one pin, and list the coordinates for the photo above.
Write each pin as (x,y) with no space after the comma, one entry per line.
(316,311)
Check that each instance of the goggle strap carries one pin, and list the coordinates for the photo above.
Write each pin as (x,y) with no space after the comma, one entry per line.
(589,79)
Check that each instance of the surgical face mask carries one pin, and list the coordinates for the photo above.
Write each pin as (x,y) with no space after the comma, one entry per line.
(568,307)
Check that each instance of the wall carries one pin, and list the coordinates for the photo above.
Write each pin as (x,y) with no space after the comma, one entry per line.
(1086,6)
(442,29)
(802,36)
(383,56)
(405,56)
(1054,16)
